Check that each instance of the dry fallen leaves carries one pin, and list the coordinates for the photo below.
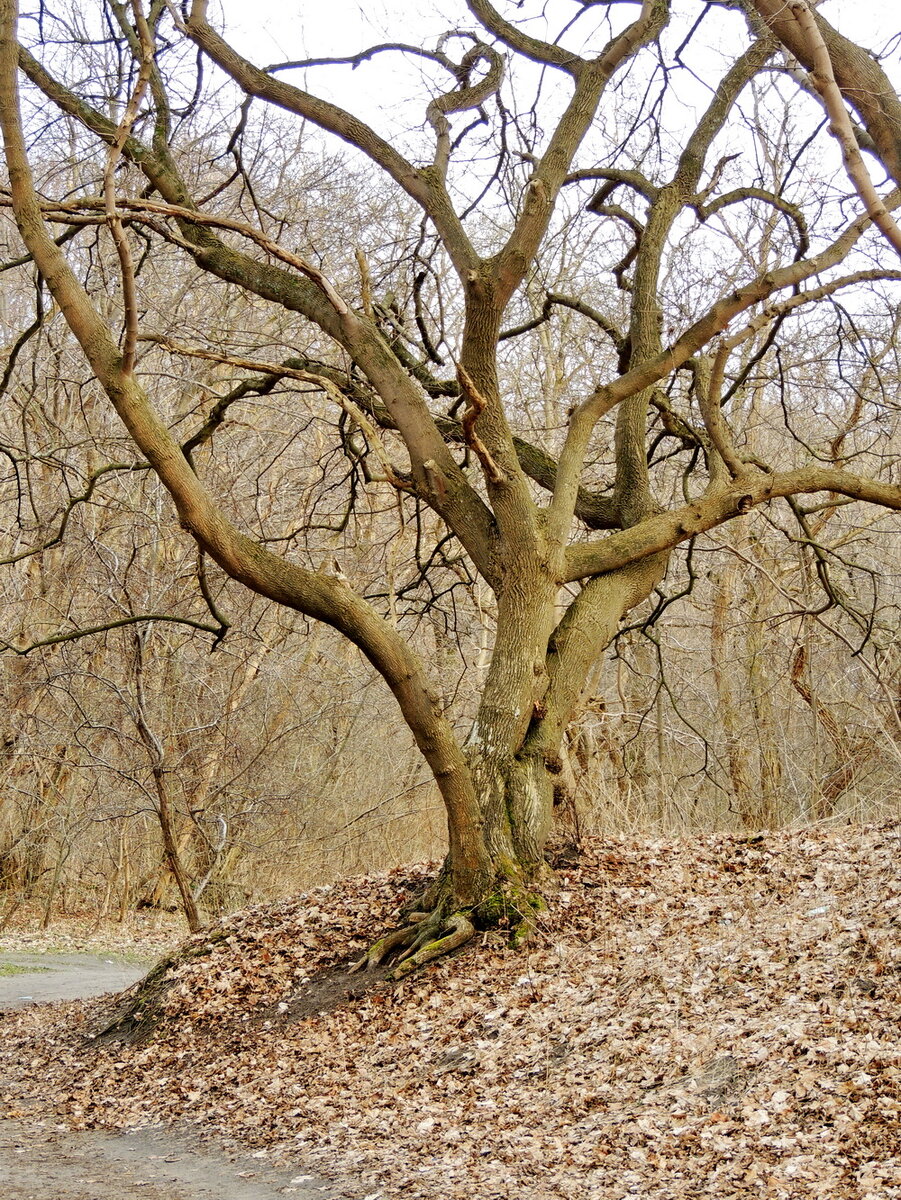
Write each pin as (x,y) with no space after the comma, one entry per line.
(710,1016)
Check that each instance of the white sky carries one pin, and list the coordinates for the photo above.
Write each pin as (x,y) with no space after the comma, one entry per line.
(276,30)
(270,31)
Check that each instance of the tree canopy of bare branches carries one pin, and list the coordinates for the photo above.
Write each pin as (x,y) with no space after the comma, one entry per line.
(596,322)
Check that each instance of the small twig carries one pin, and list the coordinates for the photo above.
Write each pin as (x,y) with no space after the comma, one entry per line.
(711,402)
(138,208)
(204,584)
(392,475)
(475,403)
(72,635)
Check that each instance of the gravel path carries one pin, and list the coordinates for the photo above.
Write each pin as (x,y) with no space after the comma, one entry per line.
(37,978)
(40,1160)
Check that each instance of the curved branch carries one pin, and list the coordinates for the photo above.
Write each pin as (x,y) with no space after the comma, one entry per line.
(425,188)
(593,314)
(73,635)
(859,76)
(742,194)
(462,98)
(613,178)
(841,128)
(532,48)
(580,306)
(319,595)
(447,492)
(666,530)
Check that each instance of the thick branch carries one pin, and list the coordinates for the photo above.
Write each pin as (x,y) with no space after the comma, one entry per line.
(841,127)
(863,82)
(530,47)
(513,261)
(443,486)
(425,188)
(720,314)
(666,530)
(316,594)
(632,491)
(129,298)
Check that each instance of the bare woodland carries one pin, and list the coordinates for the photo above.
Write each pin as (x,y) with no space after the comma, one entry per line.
(451,482)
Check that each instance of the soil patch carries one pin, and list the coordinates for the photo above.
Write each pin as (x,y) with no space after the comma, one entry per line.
(41,1162)
(45,1160)
(332,988)
(135,1015)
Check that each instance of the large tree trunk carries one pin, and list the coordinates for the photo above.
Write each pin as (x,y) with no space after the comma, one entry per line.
(515,750)
(514,756)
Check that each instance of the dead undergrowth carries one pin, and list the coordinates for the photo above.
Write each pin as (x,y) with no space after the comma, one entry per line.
(710,1016)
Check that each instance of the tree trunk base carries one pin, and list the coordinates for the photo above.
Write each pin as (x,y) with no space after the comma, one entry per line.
(510,907)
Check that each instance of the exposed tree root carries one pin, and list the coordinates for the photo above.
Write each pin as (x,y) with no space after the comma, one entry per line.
(430,935)
(418,943)
(381,950)
(457,929)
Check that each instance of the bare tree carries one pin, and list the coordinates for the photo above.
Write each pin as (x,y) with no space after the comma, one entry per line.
(700,259)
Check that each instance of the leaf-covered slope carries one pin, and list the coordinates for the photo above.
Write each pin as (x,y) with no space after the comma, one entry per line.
(713,1016)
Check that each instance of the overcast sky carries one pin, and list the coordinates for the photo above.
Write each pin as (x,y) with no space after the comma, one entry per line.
(270,31)
(281,30)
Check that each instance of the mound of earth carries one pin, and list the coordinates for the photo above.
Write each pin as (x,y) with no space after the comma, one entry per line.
(709,1016)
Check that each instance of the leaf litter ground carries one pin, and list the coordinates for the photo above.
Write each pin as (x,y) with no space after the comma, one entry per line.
(714,1016)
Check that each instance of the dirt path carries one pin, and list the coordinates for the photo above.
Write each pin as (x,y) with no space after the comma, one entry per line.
(40,1160)
(36,978)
